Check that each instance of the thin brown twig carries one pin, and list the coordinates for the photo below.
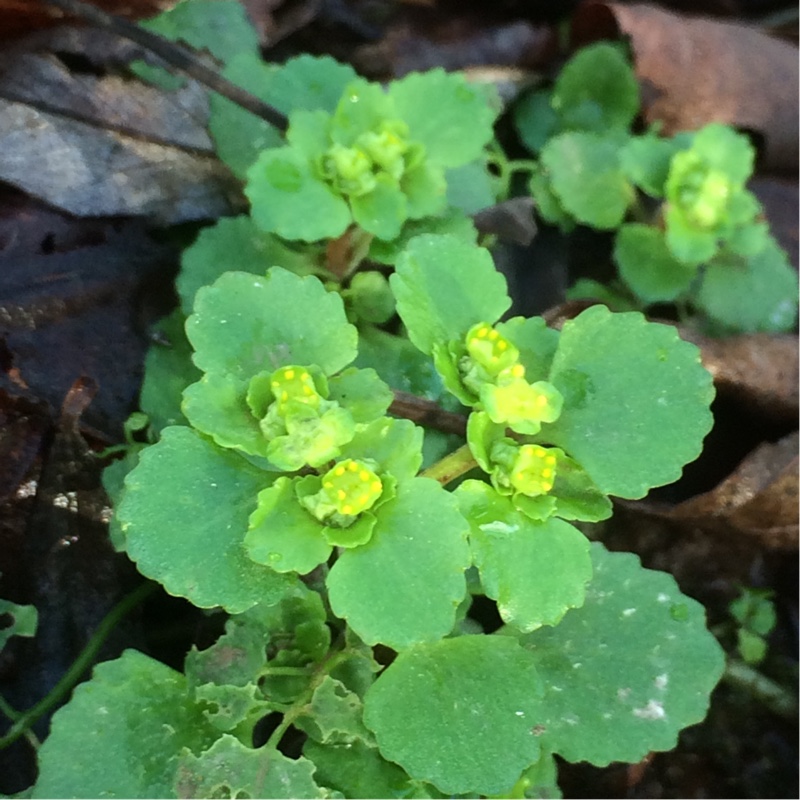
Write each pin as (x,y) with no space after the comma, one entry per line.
(427,413)
(175,55)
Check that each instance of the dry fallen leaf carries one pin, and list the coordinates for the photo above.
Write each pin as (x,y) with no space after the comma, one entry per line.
(704,70)
(105,146)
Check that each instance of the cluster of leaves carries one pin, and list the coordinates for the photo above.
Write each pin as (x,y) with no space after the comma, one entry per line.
(754,614)
(279,488)
(687,230)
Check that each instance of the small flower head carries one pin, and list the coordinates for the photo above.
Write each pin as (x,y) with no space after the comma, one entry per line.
(351,487)
(294,384)
(350,170)
(703,193)
(521,405)
(386,146)
(534,470)
(490,349)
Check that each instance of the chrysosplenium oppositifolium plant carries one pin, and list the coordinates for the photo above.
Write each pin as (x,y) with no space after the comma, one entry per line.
(348,546)
(291,500)
(687,229)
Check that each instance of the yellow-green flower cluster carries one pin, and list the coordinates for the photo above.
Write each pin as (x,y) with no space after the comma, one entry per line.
(492,369)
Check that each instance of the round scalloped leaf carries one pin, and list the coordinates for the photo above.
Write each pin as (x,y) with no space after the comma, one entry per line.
(396,444)
(231,769)
(217,406)
(135,716)
(453,119)
(444,286)
(23,620)
(471,187)
(648,266)
(646,160)
(459,713)
(628,670)
(535,119)
(184,513)
(361,392)
(536,344)
(243,325)
(536,571)
(382,211)
(309,83)
(636,400)
(168,370)
(235,243)
(750,295)
(282,534)
(287,198)
(405,584)
(357,770)
(239,134)
(219,26)
(453,221)
(596,90)
(586,176)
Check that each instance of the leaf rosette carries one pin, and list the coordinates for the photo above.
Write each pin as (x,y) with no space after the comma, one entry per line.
(707,203)
(377,160)
(285,399)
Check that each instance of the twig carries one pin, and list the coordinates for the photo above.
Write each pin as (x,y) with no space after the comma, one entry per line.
(424,412)
(179,57)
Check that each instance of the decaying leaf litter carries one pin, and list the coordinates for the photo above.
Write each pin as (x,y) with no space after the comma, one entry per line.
(95,166)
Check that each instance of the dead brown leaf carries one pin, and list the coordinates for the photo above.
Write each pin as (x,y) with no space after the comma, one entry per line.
(99,145)
(704,70)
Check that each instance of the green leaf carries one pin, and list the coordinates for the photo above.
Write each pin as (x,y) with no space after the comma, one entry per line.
(356,770)
(536,344)
(135,717)
(184,515)
(443,287)
(239,134)
(219,26)
(235,243)
(751,646)
(547,202)
(217,406)
(453,119)
(459,713)
(687,243)
(282,534)
(751,295)
(625,672)
(536,571)
(382,211)
(231,769)
(596,90)
(230,706)
(636,400)
(471,187)
(24,620)
(333,715)
(586,176)
(361,392)
(395,444)
(399,363)
(309,83)
(168,370)
(453,221)
(287,198)
(648,266)
(535,119)
(243,325)
(404,585)
(425,188)
(369,297)
(646,159)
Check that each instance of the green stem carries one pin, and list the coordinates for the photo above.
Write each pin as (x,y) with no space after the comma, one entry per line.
(451,466)
(775,697)
(296,709)
(295,671)
(84,660)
